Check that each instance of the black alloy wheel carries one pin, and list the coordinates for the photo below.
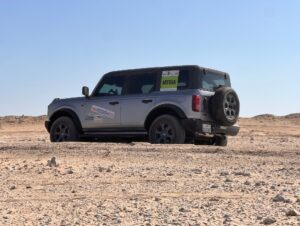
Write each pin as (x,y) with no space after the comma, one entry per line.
(166,129)
(63,130)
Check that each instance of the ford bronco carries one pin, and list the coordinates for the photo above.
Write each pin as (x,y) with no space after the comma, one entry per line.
(177,104)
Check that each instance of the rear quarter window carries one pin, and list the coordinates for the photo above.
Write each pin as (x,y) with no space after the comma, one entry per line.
(179,80)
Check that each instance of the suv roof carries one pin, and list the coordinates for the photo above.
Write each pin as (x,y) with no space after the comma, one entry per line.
(182,67)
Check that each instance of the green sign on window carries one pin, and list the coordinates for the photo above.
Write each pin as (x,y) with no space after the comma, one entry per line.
(169,80)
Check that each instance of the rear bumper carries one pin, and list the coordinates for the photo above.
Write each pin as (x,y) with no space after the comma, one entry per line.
(196,126)
(47,125)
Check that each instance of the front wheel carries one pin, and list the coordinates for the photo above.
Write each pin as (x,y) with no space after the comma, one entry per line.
(166,129)
(63,130)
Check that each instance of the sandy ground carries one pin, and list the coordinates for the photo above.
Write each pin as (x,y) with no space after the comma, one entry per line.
(253,181)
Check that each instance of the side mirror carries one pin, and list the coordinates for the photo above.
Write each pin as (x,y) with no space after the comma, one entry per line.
(85,91)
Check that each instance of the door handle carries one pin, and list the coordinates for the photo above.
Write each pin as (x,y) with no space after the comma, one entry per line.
(147,101)
(114,103)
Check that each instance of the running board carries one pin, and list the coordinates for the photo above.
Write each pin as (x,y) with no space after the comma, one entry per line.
(115,134)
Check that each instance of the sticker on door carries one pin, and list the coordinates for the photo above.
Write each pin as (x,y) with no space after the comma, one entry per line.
(99,113)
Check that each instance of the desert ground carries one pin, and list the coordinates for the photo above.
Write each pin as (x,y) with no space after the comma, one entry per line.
(255,180)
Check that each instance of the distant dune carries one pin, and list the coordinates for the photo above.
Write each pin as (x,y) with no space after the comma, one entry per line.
(294,117)
(264,116)
(19,120)
(271,116)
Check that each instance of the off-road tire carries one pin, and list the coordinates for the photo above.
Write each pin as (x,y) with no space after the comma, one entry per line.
(204,141)
(225,106)
(63,130)
(166,129)
(220,140)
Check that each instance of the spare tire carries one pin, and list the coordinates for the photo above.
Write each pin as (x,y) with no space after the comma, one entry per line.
(225,106)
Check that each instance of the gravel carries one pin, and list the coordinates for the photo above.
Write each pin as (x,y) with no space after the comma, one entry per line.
(144,184)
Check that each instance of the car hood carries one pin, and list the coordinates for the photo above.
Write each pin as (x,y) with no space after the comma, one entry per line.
(66,100)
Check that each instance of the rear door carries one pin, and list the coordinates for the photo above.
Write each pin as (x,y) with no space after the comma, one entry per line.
(139,99)
(102,110)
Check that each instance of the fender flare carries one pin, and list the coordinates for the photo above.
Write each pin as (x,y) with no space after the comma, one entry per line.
(67,113)
(164,109)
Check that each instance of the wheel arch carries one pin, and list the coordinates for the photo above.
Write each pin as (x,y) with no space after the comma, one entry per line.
(65,112)
(161,110)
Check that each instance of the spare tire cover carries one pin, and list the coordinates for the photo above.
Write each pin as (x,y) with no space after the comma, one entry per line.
(225,106)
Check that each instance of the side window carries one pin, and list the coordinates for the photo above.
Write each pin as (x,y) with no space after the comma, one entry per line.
(111,86)
(141,83)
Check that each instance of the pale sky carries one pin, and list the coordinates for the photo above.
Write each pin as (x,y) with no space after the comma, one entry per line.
(51,49)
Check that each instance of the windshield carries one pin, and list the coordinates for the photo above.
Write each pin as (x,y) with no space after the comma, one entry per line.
(212,81)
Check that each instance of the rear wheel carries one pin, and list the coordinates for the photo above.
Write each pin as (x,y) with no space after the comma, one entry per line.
(63,130)
(220,140)
(166,129)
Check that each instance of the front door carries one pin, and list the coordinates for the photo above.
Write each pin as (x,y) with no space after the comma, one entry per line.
(101,112)
(102,109)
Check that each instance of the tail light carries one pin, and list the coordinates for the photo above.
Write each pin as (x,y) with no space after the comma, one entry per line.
(196,103)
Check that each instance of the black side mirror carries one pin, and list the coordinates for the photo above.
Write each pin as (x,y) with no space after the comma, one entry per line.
(85,91)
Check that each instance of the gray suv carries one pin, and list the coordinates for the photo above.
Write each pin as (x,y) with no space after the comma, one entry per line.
(178,104)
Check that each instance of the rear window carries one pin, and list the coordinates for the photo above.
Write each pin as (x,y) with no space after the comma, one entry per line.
(212,81)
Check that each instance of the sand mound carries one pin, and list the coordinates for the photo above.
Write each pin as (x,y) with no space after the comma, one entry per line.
(264,116)
(293,116)
(271,117)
